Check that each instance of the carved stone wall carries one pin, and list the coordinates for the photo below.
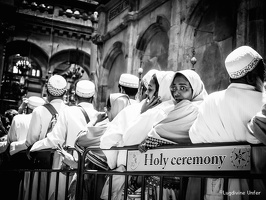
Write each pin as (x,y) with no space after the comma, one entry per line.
(211,28)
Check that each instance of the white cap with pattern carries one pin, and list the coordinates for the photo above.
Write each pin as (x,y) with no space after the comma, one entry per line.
(35,101)
(56,85)
(241,61)
(85,89)
(129,80)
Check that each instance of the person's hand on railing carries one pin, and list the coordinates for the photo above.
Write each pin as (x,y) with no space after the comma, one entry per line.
(28,152)
(143,147)
(68,159)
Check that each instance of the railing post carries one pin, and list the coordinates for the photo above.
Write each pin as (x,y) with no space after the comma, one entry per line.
(80,174)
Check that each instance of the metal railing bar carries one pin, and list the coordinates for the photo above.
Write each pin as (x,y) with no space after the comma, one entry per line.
(225,187)
(161,188)
(48,176)
(126,187)
(202,188)
(110,187)
(56,185)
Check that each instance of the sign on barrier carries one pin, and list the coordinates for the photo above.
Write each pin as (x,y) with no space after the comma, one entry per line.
(220,158)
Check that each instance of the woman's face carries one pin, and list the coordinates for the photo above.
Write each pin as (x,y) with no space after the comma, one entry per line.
(181,89)
(151,91)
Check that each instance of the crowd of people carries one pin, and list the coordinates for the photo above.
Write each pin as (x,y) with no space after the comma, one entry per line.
(164,107)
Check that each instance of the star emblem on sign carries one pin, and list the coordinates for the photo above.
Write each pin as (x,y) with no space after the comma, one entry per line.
(240,157)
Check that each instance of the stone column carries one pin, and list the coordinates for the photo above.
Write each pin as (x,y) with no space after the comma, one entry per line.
(130,51)
(174,36)
(242,24)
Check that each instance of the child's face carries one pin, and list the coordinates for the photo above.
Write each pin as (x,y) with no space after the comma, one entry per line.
(181,89)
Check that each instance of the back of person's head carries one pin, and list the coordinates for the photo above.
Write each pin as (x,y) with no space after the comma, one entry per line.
(115,103)
(34,102)
(128,84)
(84,91)
(245,65)
(56,87)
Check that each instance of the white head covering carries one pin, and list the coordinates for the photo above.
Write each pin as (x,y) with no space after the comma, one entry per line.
(35,101)
(164,79)
(85,89)
(118,102)
(129,80)
(147,77)
(241,61)
(199,92)
(56,85)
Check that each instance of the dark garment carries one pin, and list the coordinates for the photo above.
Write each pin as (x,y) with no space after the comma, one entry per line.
(91,188)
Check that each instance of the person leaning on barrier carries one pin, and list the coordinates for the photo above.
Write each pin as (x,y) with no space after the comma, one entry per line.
(71,120)
(257,127)
(20,123)
(188,92)
(223,116)
(117,127)
(90,138)
(39,124)
(15,139)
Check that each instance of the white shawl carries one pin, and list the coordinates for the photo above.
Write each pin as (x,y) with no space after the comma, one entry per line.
(223,116)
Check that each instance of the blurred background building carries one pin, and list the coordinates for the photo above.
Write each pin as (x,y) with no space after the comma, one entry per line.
(99,40)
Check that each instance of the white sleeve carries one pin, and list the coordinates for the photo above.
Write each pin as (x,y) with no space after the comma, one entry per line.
(57,135)
(34,131)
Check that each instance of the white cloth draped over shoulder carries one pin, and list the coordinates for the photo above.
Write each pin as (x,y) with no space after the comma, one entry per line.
(130,115)
(175,126)
(223,116)
(138,130)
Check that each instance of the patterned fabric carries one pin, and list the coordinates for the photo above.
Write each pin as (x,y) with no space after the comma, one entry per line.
(55,91)
(151,143)
(246,69)
(92,157)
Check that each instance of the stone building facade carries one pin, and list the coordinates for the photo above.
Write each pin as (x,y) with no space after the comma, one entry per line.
(126,36)
(166,34)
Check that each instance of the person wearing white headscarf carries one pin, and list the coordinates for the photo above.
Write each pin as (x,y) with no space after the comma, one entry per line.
(139,128)
(117,127)
(174,128)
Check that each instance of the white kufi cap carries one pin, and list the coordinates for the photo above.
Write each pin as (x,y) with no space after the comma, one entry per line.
(56,85)
(35,101)
(85,89)
(241,61)
(129,80)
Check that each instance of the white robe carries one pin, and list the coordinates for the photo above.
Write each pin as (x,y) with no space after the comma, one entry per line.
(223,116)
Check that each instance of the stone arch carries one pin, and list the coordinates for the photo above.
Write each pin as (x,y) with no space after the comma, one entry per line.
(31,50)
(112,55)
(210,29)
(114,65)
(153,45)
(161,25)
(61,60)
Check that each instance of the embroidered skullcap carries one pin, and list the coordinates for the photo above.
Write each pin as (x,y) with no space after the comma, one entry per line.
(241,61)
(129,80)
(35,101)
(85,88)
(56,85)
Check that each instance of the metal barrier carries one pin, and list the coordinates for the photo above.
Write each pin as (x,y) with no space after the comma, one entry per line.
(251,168)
